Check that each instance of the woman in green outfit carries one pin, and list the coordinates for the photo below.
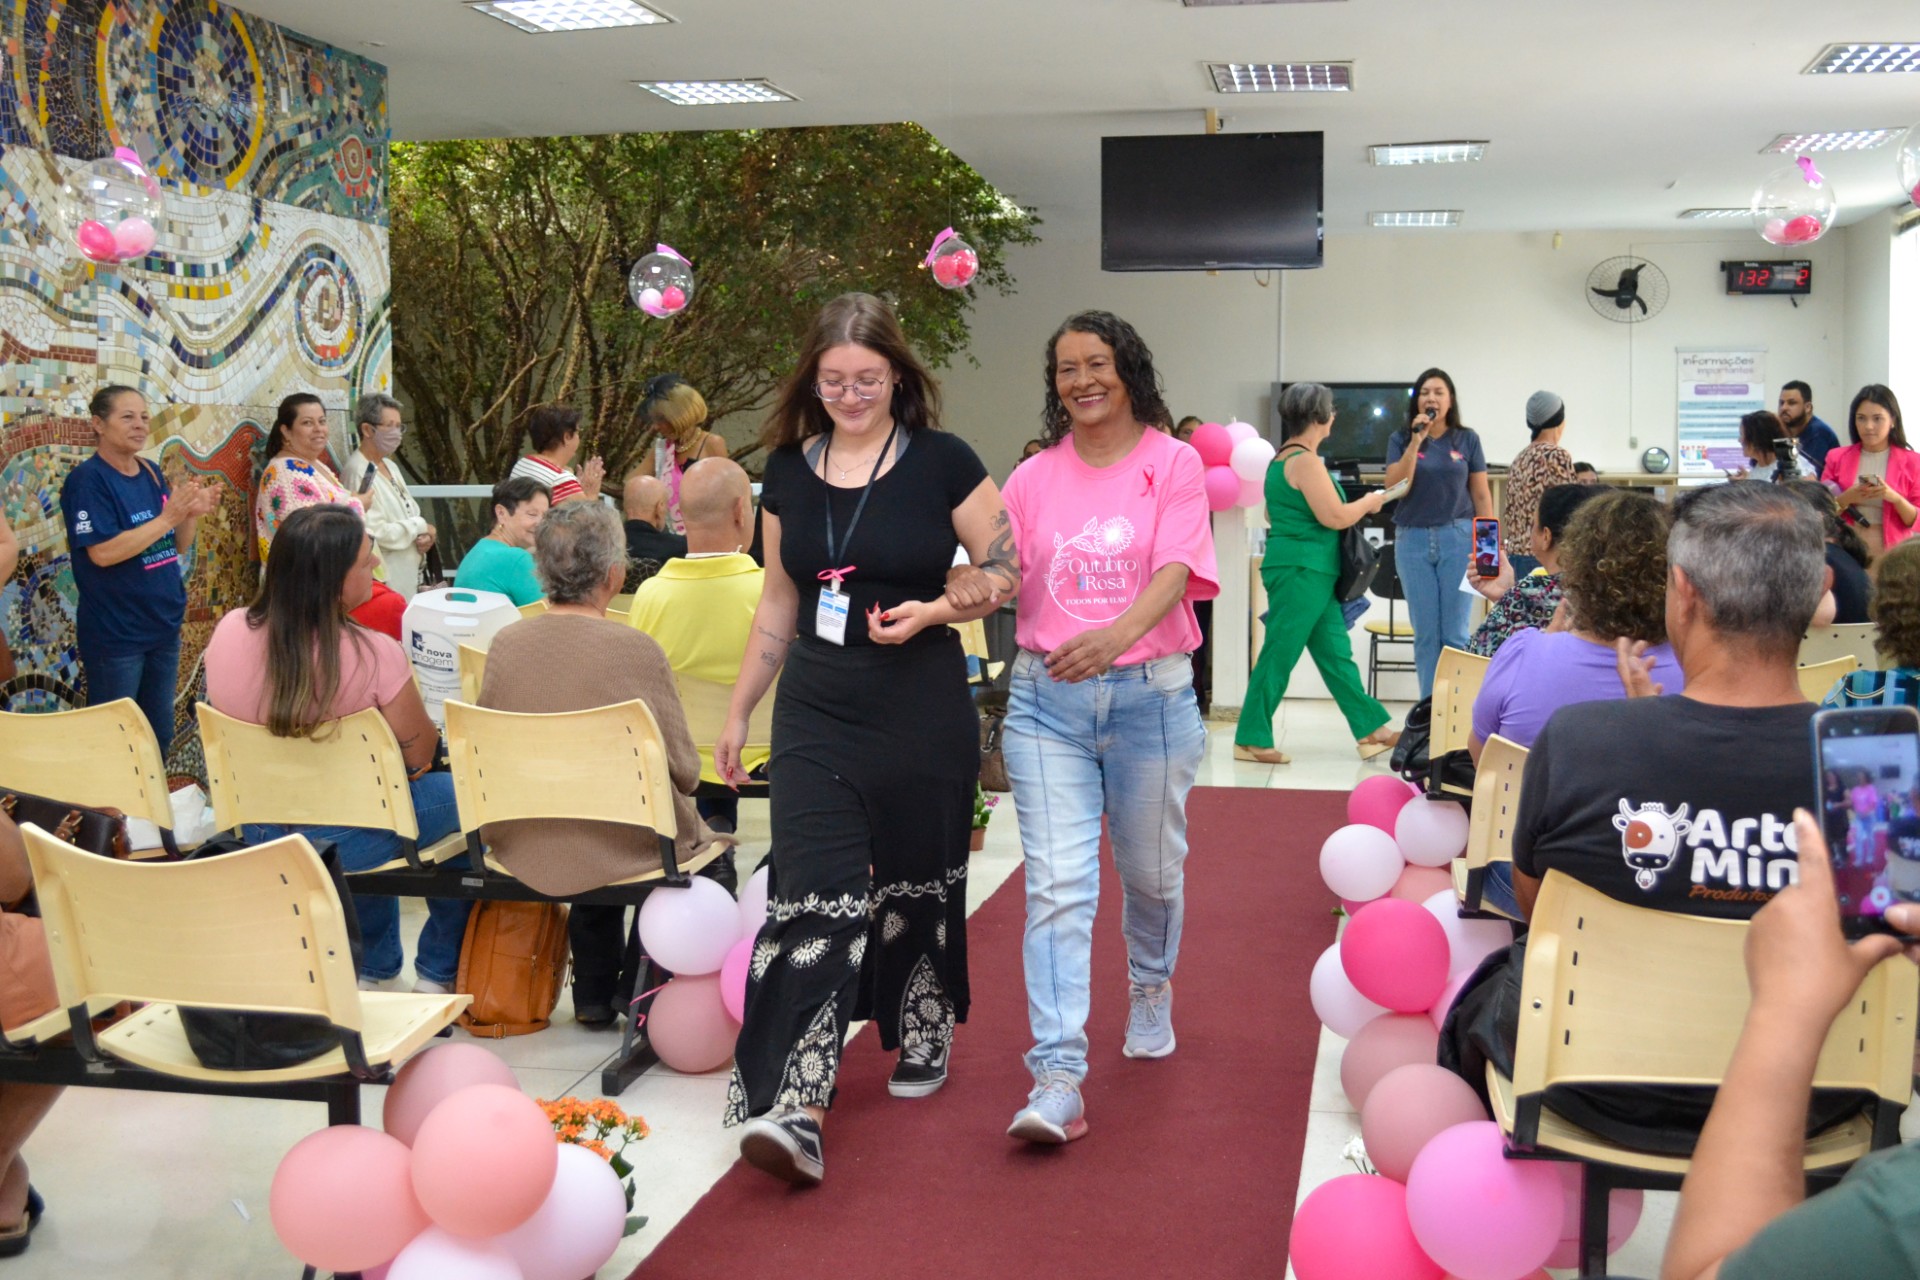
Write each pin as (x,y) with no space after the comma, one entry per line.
(1306,510)
(501,561)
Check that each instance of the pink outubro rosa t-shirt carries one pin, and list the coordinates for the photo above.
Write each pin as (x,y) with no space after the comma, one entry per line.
(1091,538)
(373,671)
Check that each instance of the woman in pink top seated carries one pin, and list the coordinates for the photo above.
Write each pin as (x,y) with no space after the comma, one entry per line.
(1115,545)
(1878,475)
(295,662)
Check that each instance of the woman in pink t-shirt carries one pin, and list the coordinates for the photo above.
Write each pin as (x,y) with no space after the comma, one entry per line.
(1115,545)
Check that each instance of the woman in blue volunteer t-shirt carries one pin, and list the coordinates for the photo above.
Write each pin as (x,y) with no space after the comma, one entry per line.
(126,533)
(1433,525)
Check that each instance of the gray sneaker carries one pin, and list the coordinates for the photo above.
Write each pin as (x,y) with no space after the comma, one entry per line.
(1149,1021)
(1054,1113)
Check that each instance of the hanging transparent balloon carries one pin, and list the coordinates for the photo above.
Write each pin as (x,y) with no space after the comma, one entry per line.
(661,284)
(1794,205)
(1907,159)
(952,261)
(112,208)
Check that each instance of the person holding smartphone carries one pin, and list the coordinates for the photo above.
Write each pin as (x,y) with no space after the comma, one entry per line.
(1433,525)
(1878,474)
(1306,510)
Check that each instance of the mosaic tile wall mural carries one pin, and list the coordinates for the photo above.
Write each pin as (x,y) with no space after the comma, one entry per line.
(269,276)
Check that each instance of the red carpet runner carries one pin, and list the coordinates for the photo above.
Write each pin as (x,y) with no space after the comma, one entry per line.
(1189,1166)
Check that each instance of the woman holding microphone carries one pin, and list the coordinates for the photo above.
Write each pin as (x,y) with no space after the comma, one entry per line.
(1433,525)
(1306,509)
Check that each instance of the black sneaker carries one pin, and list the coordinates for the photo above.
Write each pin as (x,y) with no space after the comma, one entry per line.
(785,1143)
(721,872)
(922,1069)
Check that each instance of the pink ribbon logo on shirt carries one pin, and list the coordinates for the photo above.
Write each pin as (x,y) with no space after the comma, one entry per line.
(1146,474)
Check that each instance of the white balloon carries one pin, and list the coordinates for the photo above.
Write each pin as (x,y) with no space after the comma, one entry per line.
(438,1254)
(578,1229)
(1468,941)
(1335,1002)
(1431,833)
(1250,458)
(1360,862)
(753,902)
(1238,431)
(689,930)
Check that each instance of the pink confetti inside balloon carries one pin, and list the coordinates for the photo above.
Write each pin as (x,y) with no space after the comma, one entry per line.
(952,261)
(661,284)
(113,207)
(1788,209)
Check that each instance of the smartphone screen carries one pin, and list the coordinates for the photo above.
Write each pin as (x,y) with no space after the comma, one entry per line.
(1486,548)
(1867,761)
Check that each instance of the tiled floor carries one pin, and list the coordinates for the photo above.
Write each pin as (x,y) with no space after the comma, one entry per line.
(167,1187)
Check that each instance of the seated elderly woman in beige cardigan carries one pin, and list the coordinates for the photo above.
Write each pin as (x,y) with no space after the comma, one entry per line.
(572,658)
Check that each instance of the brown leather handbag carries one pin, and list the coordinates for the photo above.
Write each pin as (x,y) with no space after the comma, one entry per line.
(513,963)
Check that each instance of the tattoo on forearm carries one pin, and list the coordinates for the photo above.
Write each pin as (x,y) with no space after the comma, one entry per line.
(777,639)
(769,659)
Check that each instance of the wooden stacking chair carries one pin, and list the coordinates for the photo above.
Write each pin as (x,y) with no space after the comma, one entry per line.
(705,703)
(1456,683)
(534,609)
(1817,680)
(350,774)
(257,931)
(1496,806)
(473,672)
(1623,995)
(104,757)
(1851,639)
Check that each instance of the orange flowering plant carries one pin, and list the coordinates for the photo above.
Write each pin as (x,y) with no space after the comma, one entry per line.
(607,1131)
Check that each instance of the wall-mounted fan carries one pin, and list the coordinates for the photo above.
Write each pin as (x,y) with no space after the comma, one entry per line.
(1627,289)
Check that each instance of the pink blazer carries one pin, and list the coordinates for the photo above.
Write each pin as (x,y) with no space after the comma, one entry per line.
(1903,477)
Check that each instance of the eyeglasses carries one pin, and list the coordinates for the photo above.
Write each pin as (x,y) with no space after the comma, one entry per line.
(865,388)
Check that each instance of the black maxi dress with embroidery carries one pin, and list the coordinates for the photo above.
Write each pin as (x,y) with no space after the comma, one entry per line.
(875,755)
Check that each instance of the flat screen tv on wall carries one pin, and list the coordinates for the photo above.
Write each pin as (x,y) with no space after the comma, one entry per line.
(1364,415)
(1211,202)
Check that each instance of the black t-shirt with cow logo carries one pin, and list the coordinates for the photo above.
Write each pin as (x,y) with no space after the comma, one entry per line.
(1669,803)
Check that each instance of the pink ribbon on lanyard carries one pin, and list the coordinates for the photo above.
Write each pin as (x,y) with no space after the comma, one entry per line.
(837,577)
(942,238)
(1146,473)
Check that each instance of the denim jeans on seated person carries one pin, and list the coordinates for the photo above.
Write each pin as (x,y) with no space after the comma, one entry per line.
(1124,746)
(437,958)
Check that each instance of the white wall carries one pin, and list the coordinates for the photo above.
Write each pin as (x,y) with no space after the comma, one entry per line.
(1869,245)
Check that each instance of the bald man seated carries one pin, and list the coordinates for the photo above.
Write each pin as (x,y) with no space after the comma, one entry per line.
(650,543)
(700,606)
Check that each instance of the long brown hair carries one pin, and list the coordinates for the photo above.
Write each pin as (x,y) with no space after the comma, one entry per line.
(865,321)
(305,618)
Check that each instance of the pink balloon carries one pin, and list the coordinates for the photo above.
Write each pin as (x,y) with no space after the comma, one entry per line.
(1360,862)
(1477,1213)
(1417,884)
(1223,488)
(690,930)
(673,299)
(483,1162)
(1383,1045)
(1335,1002)
(1253,493)
(1803,229)
(440,1255)
(1211,441)
(1396,955)
(1238,431)
(1623,1215)
(753,903)
(1356,1228)
(577,1229)
(733,979)
(133,237)
(380,1272)
(689,1026)
(1468,941)
(95,241)
(429,1078)
(1378,800)
(1448,994)
(1431,833)
(342,1199)
(1407,1108)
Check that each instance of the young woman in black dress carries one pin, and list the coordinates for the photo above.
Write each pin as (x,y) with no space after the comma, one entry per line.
(875,740)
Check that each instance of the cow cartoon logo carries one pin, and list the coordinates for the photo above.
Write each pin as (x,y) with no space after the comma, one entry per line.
(1649,839)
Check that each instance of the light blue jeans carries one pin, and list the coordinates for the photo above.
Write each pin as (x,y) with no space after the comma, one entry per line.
(1124,747)
(1431,562)
(437,959)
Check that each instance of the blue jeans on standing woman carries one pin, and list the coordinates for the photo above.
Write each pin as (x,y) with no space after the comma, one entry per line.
(148,676)
(1124,746)
(1431,563)
(437,959)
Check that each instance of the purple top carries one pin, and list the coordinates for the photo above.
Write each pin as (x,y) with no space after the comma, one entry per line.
(1535,673)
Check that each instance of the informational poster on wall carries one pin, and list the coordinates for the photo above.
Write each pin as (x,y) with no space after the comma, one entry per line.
(1716,389)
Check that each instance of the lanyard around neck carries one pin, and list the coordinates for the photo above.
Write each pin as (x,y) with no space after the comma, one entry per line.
(836,552)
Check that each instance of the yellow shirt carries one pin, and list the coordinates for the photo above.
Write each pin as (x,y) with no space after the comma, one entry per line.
(700,610)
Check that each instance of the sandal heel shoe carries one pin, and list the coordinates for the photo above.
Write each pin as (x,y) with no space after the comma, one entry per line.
(1370,747)
(1261,755)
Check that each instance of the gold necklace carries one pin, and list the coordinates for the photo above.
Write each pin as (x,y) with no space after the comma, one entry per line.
(855,464)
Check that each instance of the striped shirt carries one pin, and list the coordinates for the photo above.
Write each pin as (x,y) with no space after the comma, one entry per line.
(561,483)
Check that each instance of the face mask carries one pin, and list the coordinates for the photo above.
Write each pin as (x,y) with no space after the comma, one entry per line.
(386,439)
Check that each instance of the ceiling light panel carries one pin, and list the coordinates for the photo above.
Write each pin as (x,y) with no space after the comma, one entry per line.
(1281,77)
(539,17)
(1694,215)
(1841,140)
(1212,4)
(716,93)
(1395,153)
(1415,218)
(1863,59)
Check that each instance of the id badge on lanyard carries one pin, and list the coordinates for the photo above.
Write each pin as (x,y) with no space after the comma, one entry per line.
(830,614)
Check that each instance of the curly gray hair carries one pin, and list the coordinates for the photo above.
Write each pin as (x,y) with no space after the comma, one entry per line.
(577,545)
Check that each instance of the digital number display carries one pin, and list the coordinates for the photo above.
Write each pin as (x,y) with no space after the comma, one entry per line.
(1786,276)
